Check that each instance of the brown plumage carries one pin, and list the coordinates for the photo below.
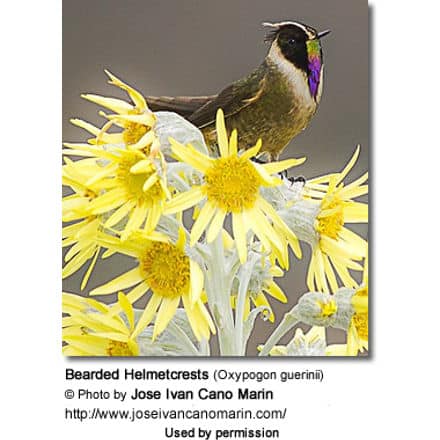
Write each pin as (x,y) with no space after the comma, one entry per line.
(274,103)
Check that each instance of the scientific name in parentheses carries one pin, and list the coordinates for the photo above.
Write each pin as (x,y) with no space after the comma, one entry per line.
(203,394)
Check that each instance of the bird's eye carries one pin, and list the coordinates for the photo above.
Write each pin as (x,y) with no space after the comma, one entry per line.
(291,42)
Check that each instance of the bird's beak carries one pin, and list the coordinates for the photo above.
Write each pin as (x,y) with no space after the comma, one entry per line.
(323,33)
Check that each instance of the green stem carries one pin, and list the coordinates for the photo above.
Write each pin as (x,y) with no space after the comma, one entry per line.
(241,301)
(220,296)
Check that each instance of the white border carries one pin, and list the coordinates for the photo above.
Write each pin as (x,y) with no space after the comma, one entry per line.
(394,395)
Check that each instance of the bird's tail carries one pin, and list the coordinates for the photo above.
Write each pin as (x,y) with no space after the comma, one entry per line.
(182,105)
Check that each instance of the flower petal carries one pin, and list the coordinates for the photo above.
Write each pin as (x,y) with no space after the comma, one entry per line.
(166,312)
(277,167)
(222,135)
(121,282)
(205,216)
(184,200)
(148,314)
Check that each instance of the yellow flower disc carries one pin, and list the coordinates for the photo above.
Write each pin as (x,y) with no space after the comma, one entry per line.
(118,348)
(133,132)
(166,269)
(232,184)
(134,182)
(330,225)
(360,319)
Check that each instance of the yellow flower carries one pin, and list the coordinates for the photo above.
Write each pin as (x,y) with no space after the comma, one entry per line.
(170,274)
(312,343)
(136,120)
(92,329)
(81,236)
(134,187)
(262,283)
(337,248)
(232,185)
(130,170)
(357,334)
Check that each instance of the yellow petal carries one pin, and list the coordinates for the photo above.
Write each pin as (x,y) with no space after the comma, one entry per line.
(108,201)
(86,126)
(216,225)
(116,105)
(222,135)
(197,281)
(349,165)
(184,200)
(206,316)
(153,217)
(119,214)
(142,167)
(191,156)
(280,225)
(277,167)
(321,280)
(253,151)
(121,282)
(166,312)
(77,262)
(128,309)
(135,220)
(233,143)
(137,292)
(330,273)
(148,314)
(274,290)
(137,98)
(356,213)
(261,301)
(150,182)
(357,243)
(192,318)
(181,240)
(146,140)
(90,269)
(266,178)
(205,216)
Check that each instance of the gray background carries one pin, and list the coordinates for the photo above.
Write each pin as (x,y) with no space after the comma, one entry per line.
(196,47)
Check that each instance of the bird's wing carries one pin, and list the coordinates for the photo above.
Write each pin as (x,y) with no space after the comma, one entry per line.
(231,100)
(183,105)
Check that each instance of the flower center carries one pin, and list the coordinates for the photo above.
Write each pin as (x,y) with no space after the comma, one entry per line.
(133,132)
(118,348)
(134,182)
(330,225)
(360,318)
(166,270)
(360,321)
(232,183)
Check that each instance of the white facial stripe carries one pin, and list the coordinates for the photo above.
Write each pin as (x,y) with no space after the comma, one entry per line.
(297,78)
(310,34)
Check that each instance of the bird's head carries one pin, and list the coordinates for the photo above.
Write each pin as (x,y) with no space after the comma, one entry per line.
(300,45)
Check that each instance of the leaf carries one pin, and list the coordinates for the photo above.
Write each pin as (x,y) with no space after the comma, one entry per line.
(176,340)
(172,125)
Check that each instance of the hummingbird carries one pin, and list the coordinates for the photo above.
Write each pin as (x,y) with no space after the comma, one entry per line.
(274,103)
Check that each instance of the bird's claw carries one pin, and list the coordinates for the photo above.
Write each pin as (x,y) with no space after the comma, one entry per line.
(298,179)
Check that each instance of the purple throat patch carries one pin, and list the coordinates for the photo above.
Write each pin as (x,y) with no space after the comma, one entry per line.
(314,75)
